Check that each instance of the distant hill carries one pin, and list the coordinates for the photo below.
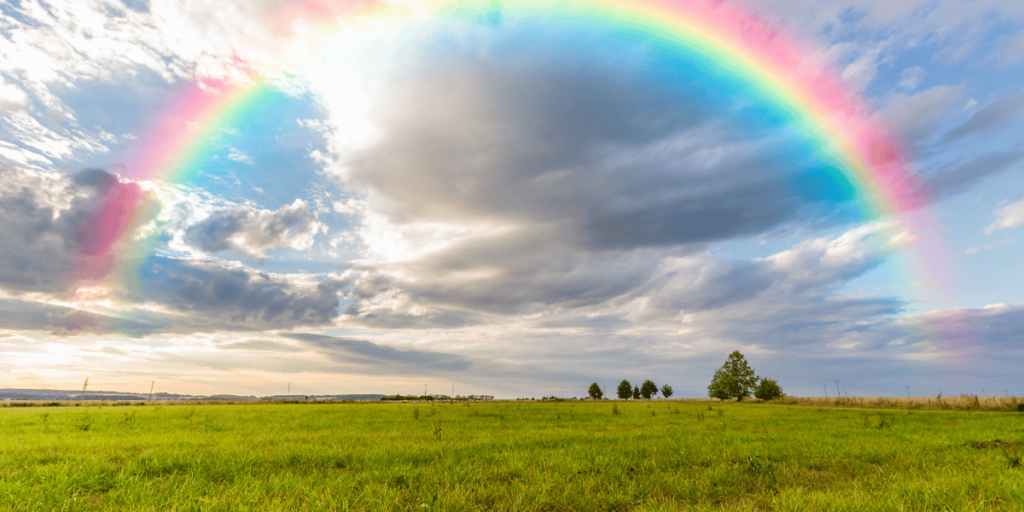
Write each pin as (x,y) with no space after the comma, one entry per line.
(53,394)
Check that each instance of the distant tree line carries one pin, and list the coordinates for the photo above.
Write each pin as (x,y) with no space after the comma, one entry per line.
(735,379)
(625,391)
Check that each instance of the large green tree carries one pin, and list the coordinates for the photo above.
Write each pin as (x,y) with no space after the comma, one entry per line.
(648,389)
(636,392)
(735,379)
(666,391)
(595,391)
(625,390)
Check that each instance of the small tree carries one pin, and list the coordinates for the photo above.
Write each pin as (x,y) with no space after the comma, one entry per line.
(735,379)
(666,391)
(636,393)
(625,390)
(768,389)
(648,389)
(595,391)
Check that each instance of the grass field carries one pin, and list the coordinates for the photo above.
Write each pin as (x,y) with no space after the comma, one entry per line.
(509,456)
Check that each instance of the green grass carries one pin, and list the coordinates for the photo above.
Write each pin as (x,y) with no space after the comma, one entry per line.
(508,456)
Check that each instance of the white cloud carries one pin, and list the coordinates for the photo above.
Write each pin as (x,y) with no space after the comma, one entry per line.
(12,97)
(1007,217)
(910,78)
(254,233)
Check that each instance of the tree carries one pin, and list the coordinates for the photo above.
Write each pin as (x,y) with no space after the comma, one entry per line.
(648,389)
(666,391)
(625,390)
(595,391)
(636,393)
(768,389)
(735,379)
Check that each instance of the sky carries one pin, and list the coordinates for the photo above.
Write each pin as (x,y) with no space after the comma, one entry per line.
(511,203)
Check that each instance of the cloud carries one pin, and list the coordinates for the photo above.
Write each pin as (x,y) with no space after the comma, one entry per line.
(910,78)
(12,97)
(965,174)
(57,228)
(917,118)
(990,333)
(824,262)
(997,114)
(703,283)
(559,175)
(641,285)
(1007,217)
(348,350)
(1014,49)
(254,233)
(214,297)
(261,345)
(239,296)
(66,321)
(987,247)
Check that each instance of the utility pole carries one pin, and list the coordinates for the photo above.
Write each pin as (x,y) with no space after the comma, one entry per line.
(825,387)
(424,390)
(151,386)
(908,391)
(837,389)
(289,389)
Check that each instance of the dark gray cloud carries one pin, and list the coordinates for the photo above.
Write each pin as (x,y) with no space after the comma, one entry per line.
(48,222)
(238,295)
(589,168)
(991,332)
(218,297)
(349,350)
(65,321)
(254,233)
(621,150)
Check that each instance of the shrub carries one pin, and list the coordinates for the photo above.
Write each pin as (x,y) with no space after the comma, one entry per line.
(768,389)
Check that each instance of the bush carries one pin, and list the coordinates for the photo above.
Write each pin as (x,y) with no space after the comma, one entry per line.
(768,389)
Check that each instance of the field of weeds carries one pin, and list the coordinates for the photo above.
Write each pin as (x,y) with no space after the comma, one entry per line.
(956,403)
(587,456)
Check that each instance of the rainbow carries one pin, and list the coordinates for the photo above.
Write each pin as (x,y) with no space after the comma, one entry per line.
(735,43)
